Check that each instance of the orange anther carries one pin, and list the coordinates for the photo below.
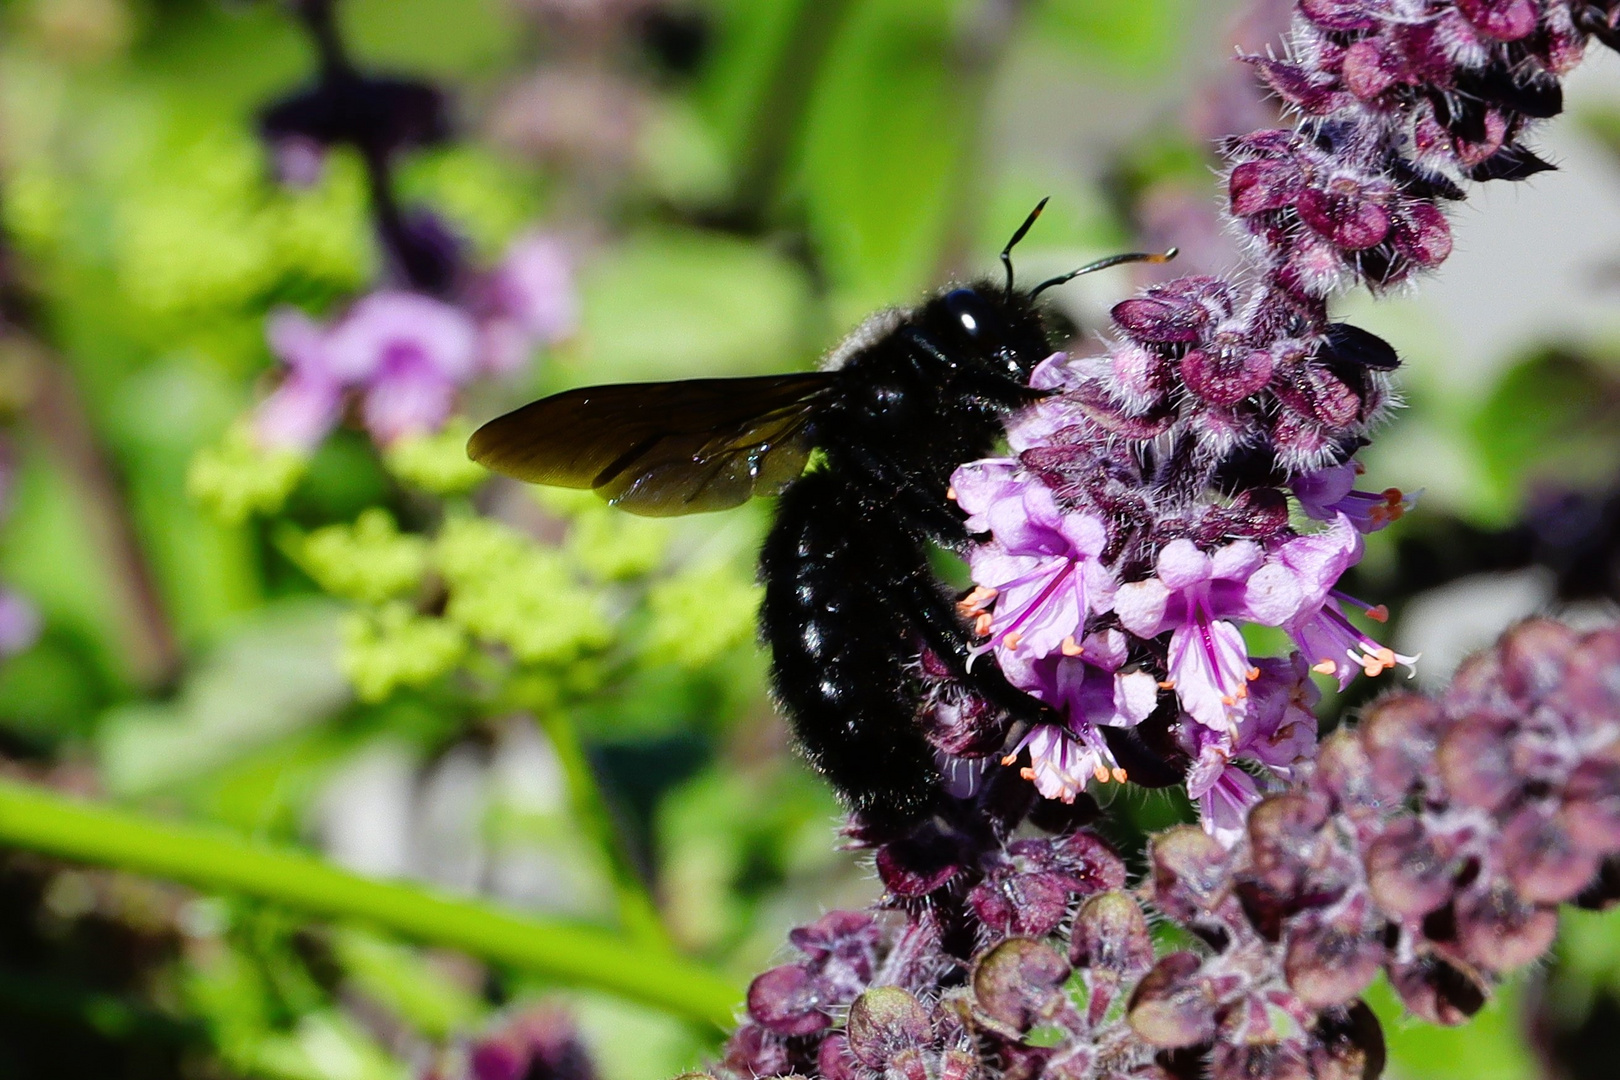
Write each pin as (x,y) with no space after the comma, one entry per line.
(1378,614)
(1071,647)
(1120,775)
(1013,639)
(1168,684)
(950,493)
(1253,674)
(1326,667)
(1027,774)
(1009,759)
(981,625)
(1101,774)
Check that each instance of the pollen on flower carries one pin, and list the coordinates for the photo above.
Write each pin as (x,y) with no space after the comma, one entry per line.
(1375,662)
(973,603)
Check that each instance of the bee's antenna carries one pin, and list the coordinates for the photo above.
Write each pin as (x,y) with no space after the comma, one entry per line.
(1023,230)
(1104,264)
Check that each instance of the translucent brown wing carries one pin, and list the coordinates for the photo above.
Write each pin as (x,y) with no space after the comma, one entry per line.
(660,449)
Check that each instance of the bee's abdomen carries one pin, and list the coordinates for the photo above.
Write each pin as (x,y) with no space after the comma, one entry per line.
(839,649)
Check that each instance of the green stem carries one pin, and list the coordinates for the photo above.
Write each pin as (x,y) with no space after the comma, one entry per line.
(212,860)
(778,121)
(637,912)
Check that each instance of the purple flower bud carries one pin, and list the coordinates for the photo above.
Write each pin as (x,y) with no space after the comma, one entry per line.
(1499,931)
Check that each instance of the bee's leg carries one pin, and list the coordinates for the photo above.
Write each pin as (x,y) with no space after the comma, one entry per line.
(933,616)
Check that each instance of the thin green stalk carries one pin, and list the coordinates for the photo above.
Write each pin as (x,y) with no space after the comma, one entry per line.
(637,912)
(216,861)
(778,121)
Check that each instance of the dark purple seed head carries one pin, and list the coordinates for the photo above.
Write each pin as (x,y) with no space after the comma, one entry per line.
(788,1000)
(1535,657)
(1348,1044)
(1475,760)
(1287,841)
(1499,931)
(1172,1007)
(1189,871)
(1111,945)
(885,1021)
(1407,872)
(1437,990)
(1333,954)
(1541,858)
(1398,736)
(1019,983)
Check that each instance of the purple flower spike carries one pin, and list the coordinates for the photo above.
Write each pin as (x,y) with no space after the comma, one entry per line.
(1039,575)
(1196,596)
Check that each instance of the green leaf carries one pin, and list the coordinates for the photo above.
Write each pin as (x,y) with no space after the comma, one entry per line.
(885,138)
(670,303)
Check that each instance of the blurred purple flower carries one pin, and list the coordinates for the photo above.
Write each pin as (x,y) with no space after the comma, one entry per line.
(529,299)
(19,623)
(405,355)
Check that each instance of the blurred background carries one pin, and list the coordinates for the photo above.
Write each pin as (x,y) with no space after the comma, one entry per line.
(251,582)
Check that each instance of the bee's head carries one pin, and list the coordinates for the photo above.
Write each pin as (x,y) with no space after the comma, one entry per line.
(988,328)
(998,328)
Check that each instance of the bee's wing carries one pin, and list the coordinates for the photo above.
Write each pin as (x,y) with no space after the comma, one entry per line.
(661,449)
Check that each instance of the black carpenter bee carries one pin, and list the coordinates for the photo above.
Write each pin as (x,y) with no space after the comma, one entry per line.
(849,593)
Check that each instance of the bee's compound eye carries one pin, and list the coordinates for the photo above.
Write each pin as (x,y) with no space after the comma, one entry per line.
(971,312)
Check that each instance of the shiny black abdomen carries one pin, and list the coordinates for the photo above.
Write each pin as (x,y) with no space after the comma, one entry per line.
(839,648)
